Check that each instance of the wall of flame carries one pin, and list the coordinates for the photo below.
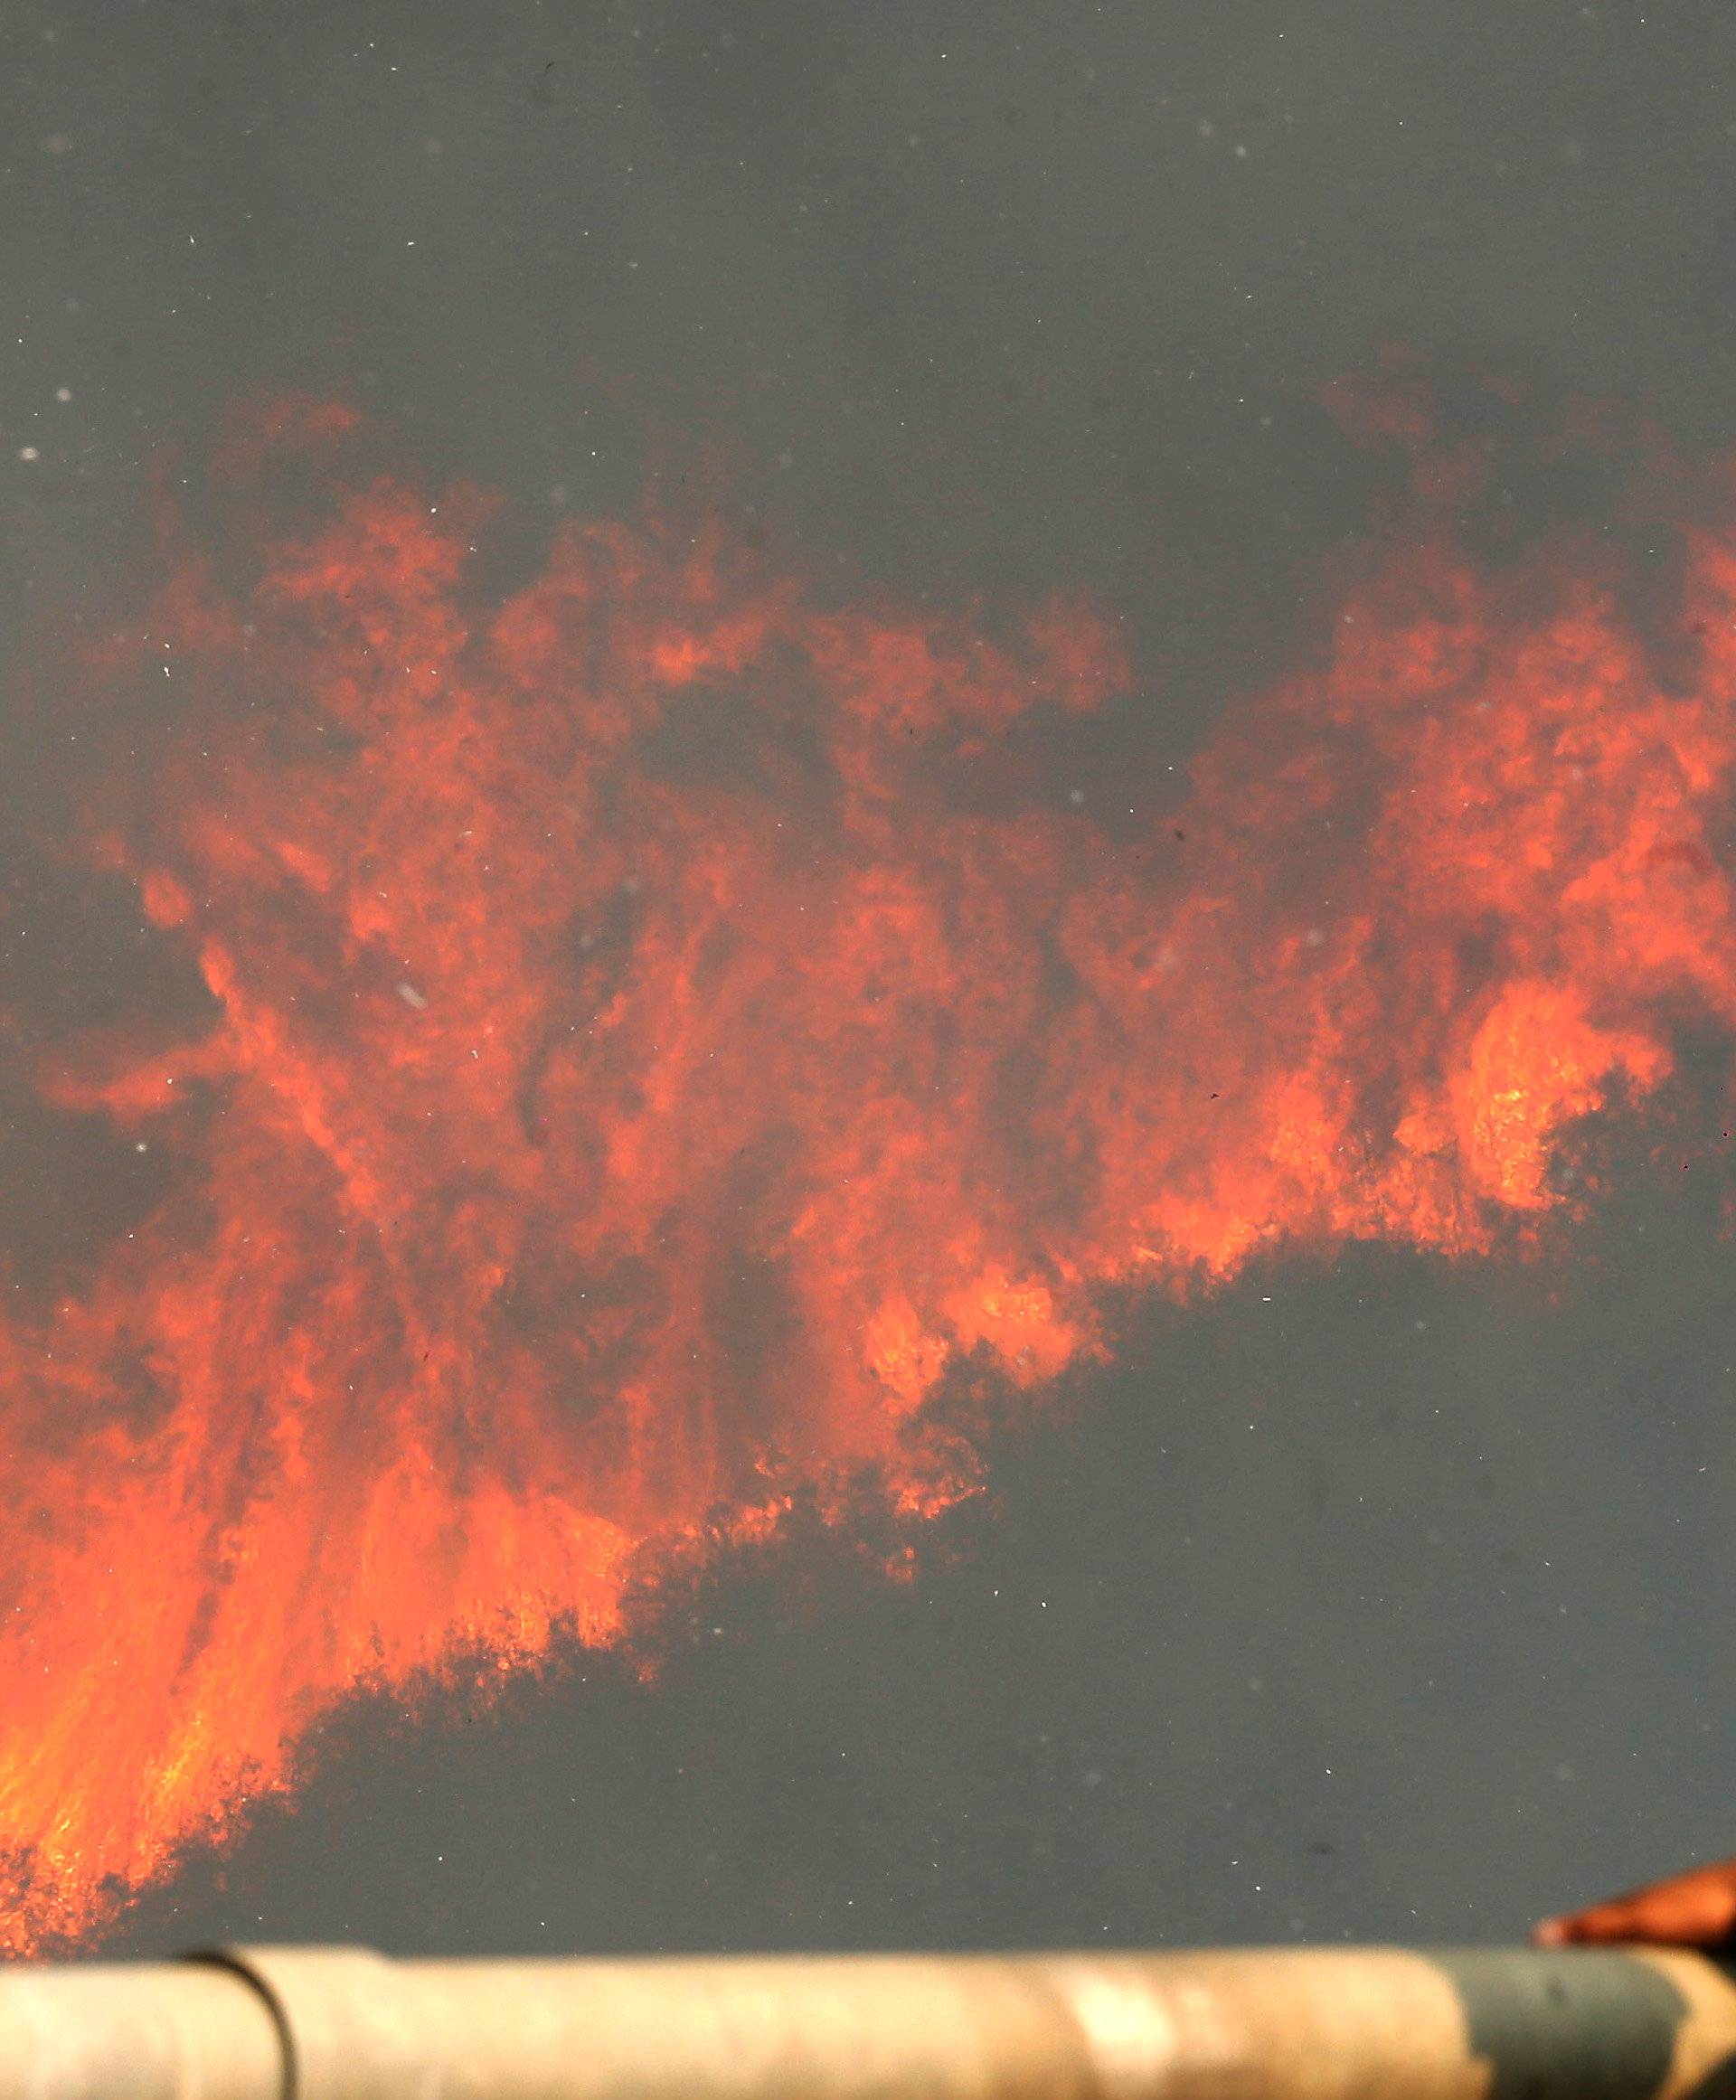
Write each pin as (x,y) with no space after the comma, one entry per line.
(583,1143)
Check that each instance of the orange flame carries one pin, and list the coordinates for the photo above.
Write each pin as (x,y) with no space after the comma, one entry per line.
(580,1141)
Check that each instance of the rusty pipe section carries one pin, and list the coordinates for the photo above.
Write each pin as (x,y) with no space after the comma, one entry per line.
(1295,2024)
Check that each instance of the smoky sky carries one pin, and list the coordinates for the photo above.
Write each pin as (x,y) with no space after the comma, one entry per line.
(1375,1599)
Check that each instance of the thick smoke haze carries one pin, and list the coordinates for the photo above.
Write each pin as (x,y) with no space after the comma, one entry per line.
(1373,1597)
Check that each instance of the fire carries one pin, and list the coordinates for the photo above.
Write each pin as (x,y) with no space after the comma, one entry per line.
(573,1147)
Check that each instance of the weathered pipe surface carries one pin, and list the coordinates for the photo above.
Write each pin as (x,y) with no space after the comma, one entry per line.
(1295,2024)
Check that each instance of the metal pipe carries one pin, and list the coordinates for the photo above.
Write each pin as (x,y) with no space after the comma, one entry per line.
(1294,2024)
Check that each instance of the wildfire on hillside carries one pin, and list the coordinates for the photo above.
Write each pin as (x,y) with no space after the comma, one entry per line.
(572,1148)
